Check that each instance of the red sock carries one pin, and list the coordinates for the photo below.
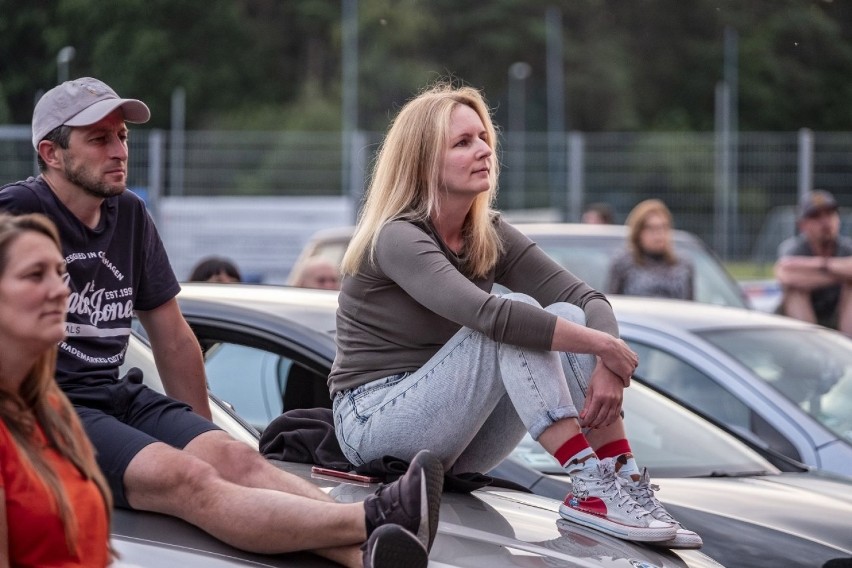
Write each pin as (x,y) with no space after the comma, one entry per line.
(614,449)
(575,453)
(625,463)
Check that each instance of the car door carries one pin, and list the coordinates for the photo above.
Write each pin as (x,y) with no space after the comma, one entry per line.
(704,378)
(259,374)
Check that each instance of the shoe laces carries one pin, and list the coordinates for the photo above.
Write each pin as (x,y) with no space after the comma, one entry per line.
(610,486)
(377,504)
(642,492)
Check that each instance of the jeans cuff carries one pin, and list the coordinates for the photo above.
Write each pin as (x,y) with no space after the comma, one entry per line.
(547,419)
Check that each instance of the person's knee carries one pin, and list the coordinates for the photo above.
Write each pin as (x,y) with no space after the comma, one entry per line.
(165,482)
(518,297)
(237,461)
(568,311)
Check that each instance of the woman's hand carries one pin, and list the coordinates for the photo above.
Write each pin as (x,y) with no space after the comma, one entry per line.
(620,360)
(603,399)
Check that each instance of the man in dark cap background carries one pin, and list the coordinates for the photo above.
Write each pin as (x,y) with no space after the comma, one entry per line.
(815,266)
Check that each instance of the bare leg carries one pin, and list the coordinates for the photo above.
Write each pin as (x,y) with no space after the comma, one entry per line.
(603,436)
(174,482)
(563,430)
(241,464)
(558,433)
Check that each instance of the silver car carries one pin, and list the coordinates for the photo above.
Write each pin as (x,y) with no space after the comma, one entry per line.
(269,350)
(778,380)
(488,527)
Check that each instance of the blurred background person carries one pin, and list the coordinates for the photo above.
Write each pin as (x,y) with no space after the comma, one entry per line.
(815,267)
(54,502)
(649,265)
(318,272)
(598,214)
(215,269)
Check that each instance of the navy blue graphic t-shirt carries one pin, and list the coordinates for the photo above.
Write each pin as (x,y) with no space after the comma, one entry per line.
(113,269)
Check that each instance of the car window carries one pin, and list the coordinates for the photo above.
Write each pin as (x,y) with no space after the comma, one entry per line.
(666,438)
(589,260)
(248,379)
(812,367)
(260,384)
(139,356)
(683,381)
(712,283)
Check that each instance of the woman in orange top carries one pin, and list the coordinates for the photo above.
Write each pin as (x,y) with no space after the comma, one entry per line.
(54,502)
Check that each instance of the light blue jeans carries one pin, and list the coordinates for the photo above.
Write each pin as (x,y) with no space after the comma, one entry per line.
(470,404)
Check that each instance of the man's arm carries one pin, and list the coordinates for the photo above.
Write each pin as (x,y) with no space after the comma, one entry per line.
(178,355)
(840,267)
(806,272)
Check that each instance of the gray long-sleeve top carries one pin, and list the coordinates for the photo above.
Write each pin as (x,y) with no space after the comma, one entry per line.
(396,313)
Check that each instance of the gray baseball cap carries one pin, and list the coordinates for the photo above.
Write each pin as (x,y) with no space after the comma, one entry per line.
(81,102)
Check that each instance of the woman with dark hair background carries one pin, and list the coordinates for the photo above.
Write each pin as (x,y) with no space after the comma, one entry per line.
(215,269)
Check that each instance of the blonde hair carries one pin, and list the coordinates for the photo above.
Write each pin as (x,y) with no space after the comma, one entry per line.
(636,221)
(406,178)
(40,401)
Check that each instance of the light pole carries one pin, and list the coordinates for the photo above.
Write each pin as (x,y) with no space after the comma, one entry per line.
(348,183)
(518,74)
(63,59)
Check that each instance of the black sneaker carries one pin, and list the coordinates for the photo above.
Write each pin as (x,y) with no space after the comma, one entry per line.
(391,546)
(412,501)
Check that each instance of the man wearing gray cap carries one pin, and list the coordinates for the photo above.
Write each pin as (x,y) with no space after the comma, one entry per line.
(815,266)
(155,452)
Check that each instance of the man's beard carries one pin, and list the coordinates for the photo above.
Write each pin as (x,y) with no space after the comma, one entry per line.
(83,178)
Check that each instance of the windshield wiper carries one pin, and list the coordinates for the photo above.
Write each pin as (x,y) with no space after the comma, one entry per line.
(718,473)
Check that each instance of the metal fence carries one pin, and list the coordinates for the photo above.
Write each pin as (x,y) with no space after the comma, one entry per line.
(732,209)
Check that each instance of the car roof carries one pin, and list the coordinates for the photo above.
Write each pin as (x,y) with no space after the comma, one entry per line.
(530,229)
(694,316)
(540,230)
(311,308)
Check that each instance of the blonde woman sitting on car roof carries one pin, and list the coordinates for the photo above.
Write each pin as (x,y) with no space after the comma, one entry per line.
(428,358)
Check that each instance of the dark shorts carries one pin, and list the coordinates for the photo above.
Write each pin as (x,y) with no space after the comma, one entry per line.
(122,418)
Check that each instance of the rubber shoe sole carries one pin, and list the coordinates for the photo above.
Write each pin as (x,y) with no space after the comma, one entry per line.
(643,492)
(685,539)
(391,546)
(412,502)
(431,489)
(656,531)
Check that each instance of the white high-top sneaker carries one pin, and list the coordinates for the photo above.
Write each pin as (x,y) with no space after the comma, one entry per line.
(598,501)
(642,492)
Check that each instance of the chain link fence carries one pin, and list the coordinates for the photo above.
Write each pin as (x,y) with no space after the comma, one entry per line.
(739,202)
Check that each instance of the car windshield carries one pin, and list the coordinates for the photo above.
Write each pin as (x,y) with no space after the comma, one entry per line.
(812,367)
(589,259)
(667,439)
